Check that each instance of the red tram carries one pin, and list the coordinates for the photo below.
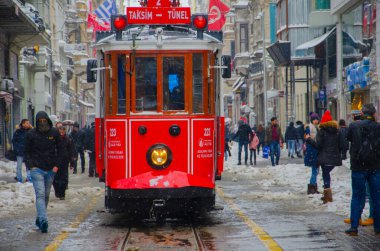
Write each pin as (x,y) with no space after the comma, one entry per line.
(159,136)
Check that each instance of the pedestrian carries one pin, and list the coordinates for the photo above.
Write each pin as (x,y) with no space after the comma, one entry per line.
(61,179)
(290,139)
(58,124)
(77,137)
(274,139)
(227,139)
(311,153)
(42,156)
(90,147)
(300,132)
(345,145)
(261,135)
(328,145)
(18,142)
(365,167)
(243,135)
(253,143)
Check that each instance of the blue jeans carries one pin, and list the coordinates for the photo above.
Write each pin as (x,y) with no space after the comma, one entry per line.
(42,181)
(314,175)
(291,147)
(368,194)
(359,179)
(326,175)
(20,159)
(275,150)
(241,145)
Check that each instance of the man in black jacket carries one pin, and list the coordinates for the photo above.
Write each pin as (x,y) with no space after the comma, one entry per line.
(43,150)
(365,167)
(78,139)
(90,147)
(244,134)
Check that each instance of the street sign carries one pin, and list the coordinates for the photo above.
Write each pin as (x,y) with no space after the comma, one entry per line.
(143,15)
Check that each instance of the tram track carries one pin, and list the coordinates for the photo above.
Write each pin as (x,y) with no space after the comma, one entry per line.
(167,236)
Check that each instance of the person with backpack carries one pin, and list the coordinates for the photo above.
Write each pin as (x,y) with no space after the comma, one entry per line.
(327,143)
(364,136)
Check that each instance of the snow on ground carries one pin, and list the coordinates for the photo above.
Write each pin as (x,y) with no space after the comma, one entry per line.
(18,197)
(295,177)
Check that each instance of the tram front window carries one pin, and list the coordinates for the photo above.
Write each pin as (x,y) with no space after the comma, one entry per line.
(174,83)
(146,84)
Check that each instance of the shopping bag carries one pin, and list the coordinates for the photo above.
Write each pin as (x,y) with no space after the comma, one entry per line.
(266,151)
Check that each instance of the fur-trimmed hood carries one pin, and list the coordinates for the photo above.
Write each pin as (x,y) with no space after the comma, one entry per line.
(329,126)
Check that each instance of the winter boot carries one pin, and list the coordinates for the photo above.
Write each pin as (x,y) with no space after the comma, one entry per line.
(38,222)
(352,231)
(327,195)
(44,226)
(312,189)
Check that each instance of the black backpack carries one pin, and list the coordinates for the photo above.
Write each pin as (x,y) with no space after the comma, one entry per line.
(368,152)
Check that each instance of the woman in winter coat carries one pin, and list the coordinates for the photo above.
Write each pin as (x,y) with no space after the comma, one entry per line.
(18,142)
(253,143)
(61,179)
(327,143)
(311,153)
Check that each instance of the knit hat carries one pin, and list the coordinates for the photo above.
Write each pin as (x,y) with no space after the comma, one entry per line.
(326,117)
(313,116)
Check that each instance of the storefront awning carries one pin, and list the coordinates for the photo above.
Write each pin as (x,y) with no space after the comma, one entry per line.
(314,42)
(238,84)
(89,105)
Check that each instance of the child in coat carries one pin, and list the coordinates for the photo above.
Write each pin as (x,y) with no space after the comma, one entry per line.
(253,143)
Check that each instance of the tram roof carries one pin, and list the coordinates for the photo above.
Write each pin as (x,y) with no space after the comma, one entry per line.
(147,35)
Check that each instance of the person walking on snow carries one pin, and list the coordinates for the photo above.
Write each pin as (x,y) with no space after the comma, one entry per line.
(274,139)
(253,143)
(327,143)
(345,145)
(312,153)
(43,151)
(290,139)
(261,135)
(18,142)
(364,136)
(227,139)
(243,135)
(77,137)
(61,179)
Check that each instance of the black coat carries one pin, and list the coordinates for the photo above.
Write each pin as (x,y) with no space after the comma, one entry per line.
(327,143)
(243,134)
(18,141)
(89,140)
(355,139)
(68,151)
(290,133)
(78,139)
(343,141)
(300,131)
(43,149)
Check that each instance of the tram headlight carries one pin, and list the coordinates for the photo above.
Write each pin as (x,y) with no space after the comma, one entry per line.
(159,156)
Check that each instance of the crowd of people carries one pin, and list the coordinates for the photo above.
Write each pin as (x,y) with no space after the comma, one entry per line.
(48,153)
(323,144)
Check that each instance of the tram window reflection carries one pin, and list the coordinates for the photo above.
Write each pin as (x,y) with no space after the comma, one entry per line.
(121,84)
(197,83)
(174,83)
(146,84)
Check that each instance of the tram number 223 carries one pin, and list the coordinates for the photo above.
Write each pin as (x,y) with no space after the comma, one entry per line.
(113,132)
(207,131)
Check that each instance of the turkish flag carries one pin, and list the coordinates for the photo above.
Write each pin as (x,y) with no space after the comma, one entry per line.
(217,15)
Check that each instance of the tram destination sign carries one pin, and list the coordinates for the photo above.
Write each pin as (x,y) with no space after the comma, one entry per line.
(143,15)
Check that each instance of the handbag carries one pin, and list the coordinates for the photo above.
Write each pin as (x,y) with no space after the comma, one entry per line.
(266,151)
(10,155)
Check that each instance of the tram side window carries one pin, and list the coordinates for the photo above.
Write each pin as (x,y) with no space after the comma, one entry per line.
(146,84)
(174,83)
(197,83)
(121,64)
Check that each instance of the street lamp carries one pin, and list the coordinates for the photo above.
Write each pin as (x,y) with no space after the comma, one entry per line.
(260,16)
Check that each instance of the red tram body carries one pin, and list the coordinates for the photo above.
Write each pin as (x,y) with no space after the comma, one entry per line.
(159,136)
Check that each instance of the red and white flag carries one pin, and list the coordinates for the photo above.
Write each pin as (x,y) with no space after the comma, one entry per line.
(217,15)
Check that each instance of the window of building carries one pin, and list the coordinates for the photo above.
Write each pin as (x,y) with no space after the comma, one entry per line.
(322,4)
(243,37)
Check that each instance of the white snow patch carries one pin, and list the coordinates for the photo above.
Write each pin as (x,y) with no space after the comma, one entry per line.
(154,182)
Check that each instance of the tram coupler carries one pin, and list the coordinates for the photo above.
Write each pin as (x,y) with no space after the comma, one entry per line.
(155,211)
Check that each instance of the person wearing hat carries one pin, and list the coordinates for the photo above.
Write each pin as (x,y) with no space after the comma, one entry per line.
(327,143)
(311,153)
(362,134)
(77,136)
